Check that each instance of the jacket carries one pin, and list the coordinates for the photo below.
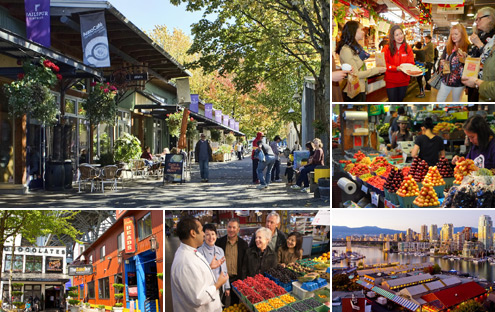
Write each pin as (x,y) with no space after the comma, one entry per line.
(456,68)
(242,246)
(394,78)
(348,56)
(257,262)
(487,88)
(429,52)
(336,90)
(281,240)
(196,151)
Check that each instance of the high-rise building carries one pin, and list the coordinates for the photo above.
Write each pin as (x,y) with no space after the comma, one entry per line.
(447,232)
(485,232)
(424,233)
(467,232)
(433,232)
(409,235)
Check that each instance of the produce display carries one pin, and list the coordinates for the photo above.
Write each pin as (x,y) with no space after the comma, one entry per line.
(447,127)
(383,129)
(288,298)
(365,177)
(276,303)
(308,277)
(405,171)
(263,307)
(342,161)
(419,168)
(433,177)
(236,308)
(284,275)
(365,161)
(445,168)
(408,187)
(258,289)
(359,156)
(312,303)
(376,182)
(359,169)
(427,197)
(463,168)
(379,162)
(483,172)
(394,180)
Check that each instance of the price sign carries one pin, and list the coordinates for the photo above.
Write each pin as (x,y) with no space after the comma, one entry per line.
(364,188)
(375,198)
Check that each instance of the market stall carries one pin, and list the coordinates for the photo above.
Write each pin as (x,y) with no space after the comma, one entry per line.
(370,173)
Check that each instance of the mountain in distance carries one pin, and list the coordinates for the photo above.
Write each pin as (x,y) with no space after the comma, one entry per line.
(343,231)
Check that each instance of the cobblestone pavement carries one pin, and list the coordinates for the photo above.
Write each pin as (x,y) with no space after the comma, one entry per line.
(229,187)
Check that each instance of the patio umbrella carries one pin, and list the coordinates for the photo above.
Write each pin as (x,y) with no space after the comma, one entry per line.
(182,139)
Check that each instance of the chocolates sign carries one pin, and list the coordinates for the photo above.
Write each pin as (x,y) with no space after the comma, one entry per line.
(129,235)
(37,250)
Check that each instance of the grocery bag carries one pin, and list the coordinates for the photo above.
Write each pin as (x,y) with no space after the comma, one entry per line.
(380,59)
(353,88)
(471,67)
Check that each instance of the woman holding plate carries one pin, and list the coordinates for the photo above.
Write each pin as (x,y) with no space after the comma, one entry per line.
(452,64)
(397,53)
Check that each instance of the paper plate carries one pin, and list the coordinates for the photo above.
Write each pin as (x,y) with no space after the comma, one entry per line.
(411,70)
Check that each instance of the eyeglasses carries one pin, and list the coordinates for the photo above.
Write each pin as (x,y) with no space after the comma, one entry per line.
(479,18)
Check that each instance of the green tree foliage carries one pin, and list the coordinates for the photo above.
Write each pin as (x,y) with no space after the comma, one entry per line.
(436,269)
(470,306)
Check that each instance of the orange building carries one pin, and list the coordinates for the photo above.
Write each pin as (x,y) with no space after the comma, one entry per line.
(130,252)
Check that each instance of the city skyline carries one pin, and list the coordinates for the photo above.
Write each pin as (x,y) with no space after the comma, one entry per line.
(401,220)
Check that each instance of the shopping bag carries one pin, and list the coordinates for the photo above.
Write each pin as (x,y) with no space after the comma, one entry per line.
(435,81)
(380,59)
(471,67)
(353,88)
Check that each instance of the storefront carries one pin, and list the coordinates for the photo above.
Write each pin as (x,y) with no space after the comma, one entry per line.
(40,269)
(130,252)
(420,167)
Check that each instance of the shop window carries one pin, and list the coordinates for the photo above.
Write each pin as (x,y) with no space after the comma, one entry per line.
(91,290)
(33,291)
(18,260)
(81,291)
(144,226)
(118,279)
(34,264)
(103,288)
(54,264)
(91,259)
(120,242)
(70,106)
(102,252)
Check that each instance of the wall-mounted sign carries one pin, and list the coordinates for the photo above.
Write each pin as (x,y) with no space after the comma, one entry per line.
(129,235)
(75,270)
(54,264)
(37,250)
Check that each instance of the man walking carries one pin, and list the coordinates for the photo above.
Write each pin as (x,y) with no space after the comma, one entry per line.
(194,286)
(429,58)
(203,154)
(234,248)
(276,166)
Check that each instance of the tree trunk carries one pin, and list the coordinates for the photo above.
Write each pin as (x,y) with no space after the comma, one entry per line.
(11,271)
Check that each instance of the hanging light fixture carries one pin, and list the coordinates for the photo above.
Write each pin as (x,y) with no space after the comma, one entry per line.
(470,11)
(153,243)
(119,257)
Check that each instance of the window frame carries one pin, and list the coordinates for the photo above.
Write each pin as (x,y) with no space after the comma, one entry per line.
(140,227)
(103,289)
(88,285)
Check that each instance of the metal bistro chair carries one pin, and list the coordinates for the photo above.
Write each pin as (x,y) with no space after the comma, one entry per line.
(109,175)
(138,167)
(88,174)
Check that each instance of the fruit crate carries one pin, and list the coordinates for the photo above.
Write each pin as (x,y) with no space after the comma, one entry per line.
(315,303)
(286,286)
(449,182)
(406,202)
(322,295)
(322,308)
(301,304)
(255,308)
(439,190)
(299,292)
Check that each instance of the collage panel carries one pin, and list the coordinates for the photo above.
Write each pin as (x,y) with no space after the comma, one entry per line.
(413,260)
(413,155)
(247,260)
(81,260)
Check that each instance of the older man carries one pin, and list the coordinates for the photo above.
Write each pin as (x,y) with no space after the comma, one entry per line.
(203,155)
(234,248)
(194,285)
(278,238)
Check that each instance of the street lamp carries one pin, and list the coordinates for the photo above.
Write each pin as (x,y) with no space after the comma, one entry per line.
(119,257)
(153,243)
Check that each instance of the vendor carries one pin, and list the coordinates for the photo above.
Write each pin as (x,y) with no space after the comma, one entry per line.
(430,147)
(403,134)
(483,145)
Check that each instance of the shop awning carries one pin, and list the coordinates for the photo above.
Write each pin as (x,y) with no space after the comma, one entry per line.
(18,47)
(37,277)
(159,109)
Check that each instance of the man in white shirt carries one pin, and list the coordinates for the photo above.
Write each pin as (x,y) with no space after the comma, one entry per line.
(194,286)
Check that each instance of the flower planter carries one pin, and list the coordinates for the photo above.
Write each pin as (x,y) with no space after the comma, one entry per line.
(74,309)
(117,309)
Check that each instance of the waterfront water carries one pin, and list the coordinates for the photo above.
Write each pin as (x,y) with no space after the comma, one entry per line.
(376,255)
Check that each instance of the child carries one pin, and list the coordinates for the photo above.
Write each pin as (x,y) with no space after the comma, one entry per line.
(289,171)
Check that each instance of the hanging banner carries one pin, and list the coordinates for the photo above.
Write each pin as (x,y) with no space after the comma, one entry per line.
(209,110)
(194,107)
(94,40)
(38,21)
(226,120)
(450,9)
(383,26)
(129,235)
(232,123)
(218,115)
(236,126)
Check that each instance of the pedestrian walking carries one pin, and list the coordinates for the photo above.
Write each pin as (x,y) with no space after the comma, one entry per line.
(203,154)
(239,149)
(276,166)
(266,161)
(259,136)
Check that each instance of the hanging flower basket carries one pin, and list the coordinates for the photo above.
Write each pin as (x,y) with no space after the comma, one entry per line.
(100,105)
(30,93)
(174,122)
(230,138)
(191,131)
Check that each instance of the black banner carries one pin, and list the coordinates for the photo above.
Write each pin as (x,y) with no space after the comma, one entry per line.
(174,167)
(75,270)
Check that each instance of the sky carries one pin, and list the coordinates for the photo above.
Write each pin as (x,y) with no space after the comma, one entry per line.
(145,14)
(399,219)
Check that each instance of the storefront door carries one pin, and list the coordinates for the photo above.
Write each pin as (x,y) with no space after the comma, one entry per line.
(52,296)
(147,281)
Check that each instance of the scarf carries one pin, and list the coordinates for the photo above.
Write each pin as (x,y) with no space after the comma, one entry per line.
(487,51)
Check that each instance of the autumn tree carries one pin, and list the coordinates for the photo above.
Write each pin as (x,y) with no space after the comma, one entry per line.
(470,306)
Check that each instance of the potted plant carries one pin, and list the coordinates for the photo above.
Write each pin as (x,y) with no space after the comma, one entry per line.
(127,147)
(174,122)
(118,306)
(30,93)
(101,308)
(100,105)
(17,294)
(160,275)
(73,302)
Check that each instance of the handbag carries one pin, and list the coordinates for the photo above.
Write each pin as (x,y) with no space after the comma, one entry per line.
(435,81)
